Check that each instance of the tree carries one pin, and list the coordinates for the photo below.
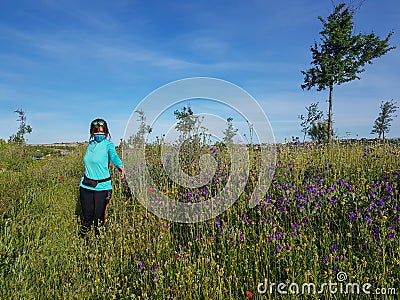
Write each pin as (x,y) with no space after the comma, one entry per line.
(382,123)
(341,55)
(229,132)
(143,129)
(319,131)
(23,129)
(314,116)
(188,123)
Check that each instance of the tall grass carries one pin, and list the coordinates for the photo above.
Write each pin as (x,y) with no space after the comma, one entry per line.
(330,208)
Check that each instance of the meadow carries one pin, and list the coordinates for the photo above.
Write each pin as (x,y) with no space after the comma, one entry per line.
(331,209)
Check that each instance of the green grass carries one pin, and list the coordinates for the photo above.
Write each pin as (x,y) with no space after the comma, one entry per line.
(139,256)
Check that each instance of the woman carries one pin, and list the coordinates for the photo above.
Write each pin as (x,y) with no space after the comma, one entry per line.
(95,186)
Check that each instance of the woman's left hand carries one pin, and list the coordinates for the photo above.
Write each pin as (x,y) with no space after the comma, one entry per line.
(121,169)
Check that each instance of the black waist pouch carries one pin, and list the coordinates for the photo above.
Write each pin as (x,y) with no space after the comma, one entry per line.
(93,183)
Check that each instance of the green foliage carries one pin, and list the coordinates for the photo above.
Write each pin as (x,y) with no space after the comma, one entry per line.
(382,123)
(319,131)
(188,123)
(23,129)
(143,130)
(310,124)
(229,132)
(341,55)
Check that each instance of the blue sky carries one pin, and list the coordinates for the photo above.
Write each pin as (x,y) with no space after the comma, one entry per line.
(67,62)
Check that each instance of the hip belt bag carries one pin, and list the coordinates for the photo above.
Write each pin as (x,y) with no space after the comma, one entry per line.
(93,183)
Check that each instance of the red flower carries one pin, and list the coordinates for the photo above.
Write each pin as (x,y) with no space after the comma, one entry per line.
(150,190)
(249,294)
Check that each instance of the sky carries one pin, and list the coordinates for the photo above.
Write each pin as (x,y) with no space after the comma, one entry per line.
(65,63)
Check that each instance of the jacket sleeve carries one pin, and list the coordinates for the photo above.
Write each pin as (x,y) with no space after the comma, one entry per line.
(113,155)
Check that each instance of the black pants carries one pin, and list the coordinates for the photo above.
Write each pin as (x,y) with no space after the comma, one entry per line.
(94,206)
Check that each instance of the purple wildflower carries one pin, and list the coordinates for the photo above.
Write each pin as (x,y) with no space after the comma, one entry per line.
(140,264)
(352,216)
(381,202)
(154,268)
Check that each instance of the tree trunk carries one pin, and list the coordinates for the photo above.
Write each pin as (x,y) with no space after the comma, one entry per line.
(330,130)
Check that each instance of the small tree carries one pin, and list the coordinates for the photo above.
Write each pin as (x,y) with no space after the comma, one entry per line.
(23,129)
(229,132)
(341,56)
(319,131)
(188,123)
(314,116)
(382,123)
(143,129)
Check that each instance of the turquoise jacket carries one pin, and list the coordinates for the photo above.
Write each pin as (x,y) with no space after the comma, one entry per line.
(97,159)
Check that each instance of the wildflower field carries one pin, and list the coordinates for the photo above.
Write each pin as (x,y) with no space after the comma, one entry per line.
(331,208)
